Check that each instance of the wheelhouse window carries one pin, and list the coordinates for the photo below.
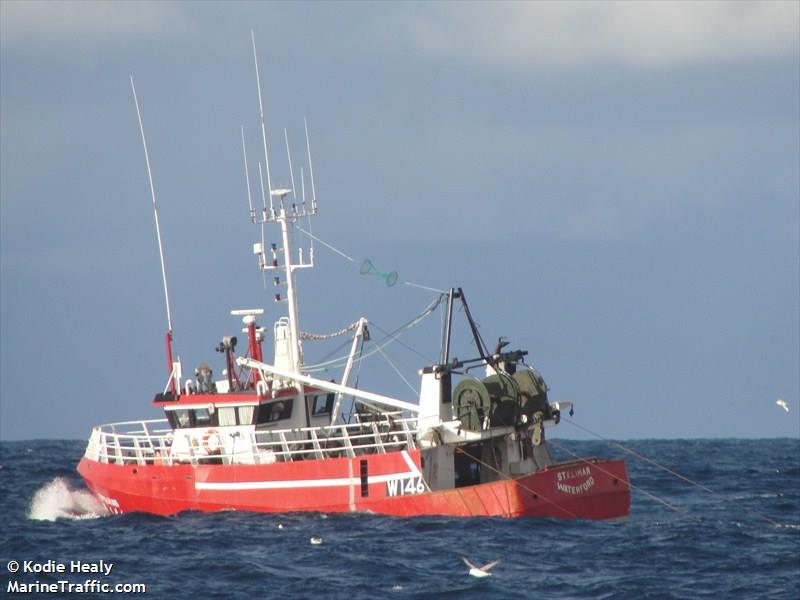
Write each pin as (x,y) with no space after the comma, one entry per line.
(246,414)
(203,418)
(184,418)
(227,416)
(277,410)
(180,418)
(323,404)
(235,415)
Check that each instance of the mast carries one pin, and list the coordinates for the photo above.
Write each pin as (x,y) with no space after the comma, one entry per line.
(286,218)
(291,297)
(452,294)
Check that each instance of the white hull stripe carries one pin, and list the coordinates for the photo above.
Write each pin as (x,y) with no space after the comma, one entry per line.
(299,483)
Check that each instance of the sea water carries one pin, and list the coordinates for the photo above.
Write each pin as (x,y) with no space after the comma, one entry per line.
(739,538)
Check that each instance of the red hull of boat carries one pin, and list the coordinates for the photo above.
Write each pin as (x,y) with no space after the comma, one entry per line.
(592,489)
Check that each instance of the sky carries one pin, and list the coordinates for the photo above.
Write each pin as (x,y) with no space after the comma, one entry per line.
(616,187)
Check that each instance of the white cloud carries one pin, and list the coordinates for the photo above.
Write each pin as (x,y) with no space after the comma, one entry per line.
(514,35)
(528,34)
(28,23)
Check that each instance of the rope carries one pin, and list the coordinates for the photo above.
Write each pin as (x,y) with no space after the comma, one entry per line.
(427,359)
(425,287)
(673,473)
(387,340)
(630,485)
(346,343)
(324,243)
(326,336)
(524,487)
(352,260)
(396,370)
(595,465)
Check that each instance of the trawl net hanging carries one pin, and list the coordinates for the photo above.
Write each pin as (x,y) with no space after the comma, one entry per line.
(367,268)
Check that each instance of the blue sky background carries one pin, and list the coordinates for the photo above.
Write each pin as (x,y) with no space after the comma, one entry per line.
(615,185)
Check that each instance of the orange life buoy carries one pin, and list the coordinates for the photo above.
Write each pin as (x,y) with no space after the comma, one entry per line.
(212,443)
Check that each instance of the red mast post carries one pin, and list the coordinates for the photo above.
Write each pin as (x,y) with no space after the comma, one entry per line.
(170,364)
(254,344)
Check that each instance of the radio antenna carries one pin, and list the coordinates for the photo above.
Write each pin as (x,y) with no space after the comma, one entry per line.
(247,180)
(174,367)
(155,208)
(307,213)
(289,156)
(310,171)
(303,188)
(263,197)
(263,126)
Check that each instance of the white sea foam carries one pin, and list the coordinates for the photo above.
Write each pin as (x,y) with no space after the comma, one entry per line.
(56,500)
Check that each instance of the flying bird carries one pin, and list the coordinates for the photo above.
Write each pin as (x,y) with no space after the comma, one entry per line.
(480,571)
(782,403)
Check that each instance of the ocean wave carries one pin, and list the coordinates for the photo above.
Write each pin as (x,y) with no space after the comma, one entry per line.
(57,500)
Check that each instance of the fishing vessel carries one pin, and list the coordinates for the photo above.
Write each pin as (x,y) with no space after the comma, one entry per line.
(270,436)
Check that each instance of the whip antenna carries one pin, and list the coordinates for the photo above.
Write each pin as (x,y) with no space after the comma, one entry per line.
(250,199)
(263,198)
(263,126)
(247,180)
(308,214)
(303,187)
(155,208)
(289,155)
(310,171)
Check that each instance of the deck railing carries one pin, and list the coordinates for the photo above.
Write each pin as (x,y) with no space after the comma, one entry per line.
(154,442)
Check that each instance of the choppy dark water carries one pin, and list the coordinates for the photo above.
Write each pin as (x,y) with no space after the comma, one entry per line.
(721,546)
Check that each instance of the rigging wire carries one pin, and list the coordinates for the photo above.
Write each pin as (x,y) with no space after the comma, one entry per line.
(630,485)
(406,346)
(347,342)
(536,493)
(324,243)
(671,472)
(322,366)
(396,370)
(425,287)
(352,260)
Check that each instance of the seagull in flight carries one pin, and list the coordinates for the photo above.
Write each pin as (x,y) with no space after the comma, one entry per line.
(480,571)
(782,403)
